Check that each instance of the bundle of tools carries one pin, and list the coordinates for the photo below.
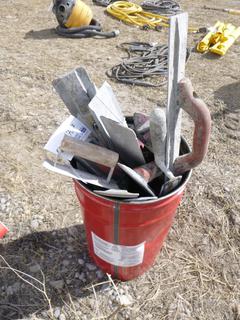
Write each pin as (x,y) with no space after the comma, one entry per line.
(219,39)
(165,7)
(76,20)
(144,61)
(137,158)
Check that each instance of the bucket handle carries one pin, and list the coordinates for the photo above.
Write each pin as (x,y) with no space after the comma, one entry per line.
(199,112)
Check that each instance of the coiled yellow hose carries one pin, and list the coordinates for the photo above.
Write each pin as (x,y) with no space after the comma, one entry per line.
(132,13)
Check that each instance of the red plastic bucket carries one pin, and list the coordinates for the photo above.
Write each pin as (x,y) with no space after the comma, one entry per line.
(124,238)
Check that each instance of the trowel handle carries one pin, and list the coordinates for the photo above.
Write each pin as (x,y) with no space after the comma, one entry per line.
(200,114)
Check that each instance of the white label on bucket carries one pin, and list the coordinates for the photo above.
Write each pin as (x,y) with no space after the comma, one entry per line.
(122,256)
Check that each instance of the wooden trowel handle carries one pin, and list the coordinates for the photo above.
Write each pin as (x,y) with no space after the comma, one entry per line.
(200,114)
(89,151)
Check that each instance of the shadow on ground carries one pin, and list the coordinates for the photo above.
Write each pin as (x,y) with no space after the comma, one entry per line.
(55,257)
(230,95)
(41,34)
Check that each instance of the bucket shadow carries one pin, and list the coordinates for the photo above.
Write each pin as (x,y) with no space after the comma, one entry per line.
(42,34)
(57,257)
(230,95)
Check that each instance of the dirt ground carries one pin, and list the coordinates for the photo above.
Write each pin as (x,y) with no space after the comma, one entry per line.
(196,275)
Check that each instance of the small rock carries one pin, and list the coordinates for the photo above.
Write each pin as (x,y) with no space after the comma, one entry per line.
(126,300)
(62,317)
(44,314)
(81,262)
(57,312)
(58,284)
(35,268)
(105,288)
(66,262)
(234,218)
(91,267)
(99,274)
(82,276)
(16,286)
(3,200)
(226,189)
(9,291)
(77,275)
(34,224)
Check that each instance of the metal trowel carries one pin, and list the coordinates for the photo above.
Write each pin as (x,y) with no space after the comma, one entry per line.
(158,131)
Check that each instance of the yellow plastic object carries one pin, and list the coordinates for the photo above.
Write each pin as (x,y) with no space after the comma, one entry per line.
(81,15)
(219,39)
(204,44)
(229,35)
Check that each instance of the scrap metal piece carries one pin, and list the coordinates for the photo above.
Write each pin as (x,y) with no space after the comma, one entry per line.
(148,171)
(125,142)
(113,193)
(137,178)
(86,177)
(106,104)
(75,96)
(141,122)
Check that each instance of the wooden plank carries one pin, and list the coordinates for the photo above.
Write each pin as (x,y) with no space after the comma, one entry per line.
(90,151)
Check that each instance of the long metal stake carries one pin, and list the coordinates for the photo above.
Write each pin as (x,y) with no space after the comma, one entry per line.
(177,46)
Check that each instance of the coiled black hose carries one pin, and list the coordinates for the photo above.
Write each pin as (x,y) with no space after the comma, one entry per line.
(93,30)
(144,61)
(162,7)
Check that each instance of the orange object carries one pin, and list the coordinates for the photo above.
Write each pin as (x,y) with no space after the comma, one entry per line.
(3,230)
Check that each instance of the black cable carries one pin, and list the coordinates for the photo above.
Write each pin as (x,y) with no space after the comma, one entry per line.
(162,7)
(103,3)
(92,30)
(144,61)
